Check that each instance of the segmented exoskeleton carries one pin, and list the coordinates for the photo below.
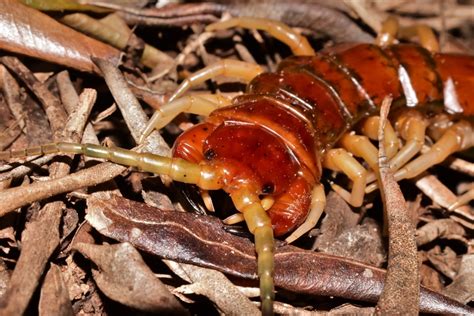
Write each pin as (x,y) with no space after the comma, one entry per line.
(266,148)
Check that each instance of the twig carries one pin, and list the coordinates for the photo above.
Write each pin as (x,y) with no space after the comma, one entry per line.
(21,196)
(11,91)
(401,292)
(54,298)
(52,105)
(130,108)
(70,99)
(461,166)
(441,195)
(41,237)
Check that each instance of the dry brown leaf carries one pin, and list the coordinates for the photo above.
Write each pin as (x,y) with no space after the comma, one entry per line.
(462,288)
(215,286)
(342,236)
(430,278)
(203,240)
(124,277)
(444,260)
(29,32)
(442,228)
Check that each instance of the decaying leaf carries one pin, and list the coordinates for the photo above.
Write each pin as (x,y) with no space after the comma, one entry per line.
(214,285)
(123,276)
(341,235)
(202,240)
(29,32)
(443,228)
(462,288)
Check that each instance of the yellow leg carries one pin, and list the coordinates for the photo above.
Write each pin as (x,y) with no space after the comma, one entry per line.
(207,200)
(455,138)
(388,32)
(298,44)
(201,105)
(267,203)
(318,202)
(425,35)
(412,127)
(391,30)
(370,129)
(458,137)
(226,67)
(340,160)
(360,146)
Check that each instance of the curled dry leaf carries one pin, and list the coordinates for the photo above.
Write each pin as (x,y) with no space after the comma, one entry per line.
(462,288)
(215,286)
(442,228)
(444,260)
(342,236)
(29,32)
(202,240)
(124,277)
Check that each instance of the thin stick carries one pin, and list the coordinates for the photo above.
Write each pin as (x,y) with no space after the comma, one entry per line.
(401,292)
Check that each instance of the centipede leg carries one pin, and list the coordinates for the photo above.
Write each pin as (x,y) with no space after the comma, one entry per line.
(361,146)
(267,203)
(412,127)
(388,32)
(318,202)
(457,137)
(298,44)
(391,30)
(201,105)
(226,67)
(340,160)
(370,128)
(425,35)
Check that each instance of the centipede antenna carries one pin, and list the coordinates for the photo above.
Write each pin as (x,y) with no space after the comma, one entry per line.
(178,169)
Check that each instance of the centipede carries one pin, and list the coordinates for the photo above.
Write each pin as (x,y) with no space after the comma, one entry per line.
(267,147)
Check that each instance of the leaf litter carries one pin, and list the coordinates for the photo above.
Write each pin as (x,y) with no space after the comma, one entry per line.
(44,229)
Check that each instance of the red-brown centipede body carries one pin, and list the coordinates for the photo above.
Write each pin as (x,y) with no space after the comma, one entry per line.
(287,119)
